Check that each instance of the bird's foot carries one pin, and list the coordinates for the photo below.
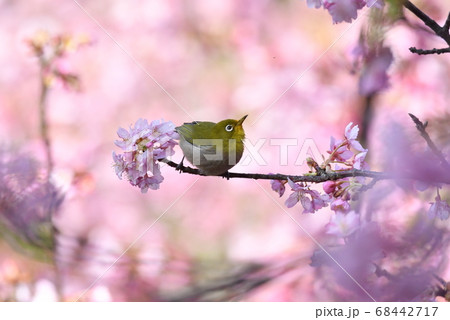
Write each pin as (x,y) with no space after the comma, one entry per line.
(226,175)
(180,167)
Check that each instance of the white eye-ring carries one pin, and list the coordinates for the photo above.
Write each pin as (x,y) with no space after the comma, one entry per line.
(229,127)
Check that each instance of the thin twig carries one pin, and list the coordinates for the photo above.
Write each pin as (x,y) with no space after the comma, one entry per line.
(241,282)
(49,166)
(422,129)
(431,51)
(44,124)
(438,30)
(317,178)
(442,32)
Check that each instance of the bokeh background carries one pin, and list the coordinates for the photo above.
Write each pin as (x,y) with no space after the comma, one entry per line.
(285,65)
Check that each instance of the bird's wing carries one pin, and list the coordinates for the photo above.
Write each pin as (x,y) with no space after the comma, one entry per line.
(189,130)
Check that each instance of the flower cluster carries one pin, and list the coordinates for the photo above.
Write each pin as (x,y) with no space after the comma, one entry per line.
(342,154)
(344,10)
(343,224)
(51,51)
(311,200)
(439,209)
(376,259)
(28,204)
(345,154)
(143,145)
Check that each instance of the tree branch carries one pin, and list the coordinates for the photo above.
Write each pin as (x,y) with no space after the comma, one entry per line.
(317,177)
(446,26)
(431,51)
(241,282)
(422,129)
(44,124)
(442,32)
(321,175)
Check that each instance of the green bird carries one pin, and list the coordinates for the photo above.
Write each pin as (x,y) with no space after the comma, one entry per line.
(213,148)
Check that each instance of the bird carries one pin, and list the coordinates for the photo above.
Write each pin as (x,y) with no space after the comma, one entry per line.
(213,148)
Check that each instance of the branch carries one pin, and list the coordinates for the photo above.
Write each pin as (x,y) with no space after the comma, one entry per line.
(426,19)
(316,177)
(446,25)
(432,51)
(225,289)
(322,175)
(442,32)
(44,124)
(239,283)
(422,129)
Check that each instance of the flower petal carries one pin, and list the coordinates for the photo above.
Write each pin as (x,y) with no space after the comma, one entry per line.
(292,200)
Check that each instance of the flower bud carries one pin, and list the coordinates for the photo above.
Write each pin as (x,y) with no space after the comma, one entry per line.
(329,187)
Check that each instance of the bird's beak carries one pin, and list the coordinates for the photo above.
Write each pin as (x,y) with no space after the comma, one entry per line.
(239,123)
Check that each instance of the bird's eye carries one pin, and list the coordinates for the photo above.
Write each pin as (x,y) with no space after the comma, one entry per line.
(229,127)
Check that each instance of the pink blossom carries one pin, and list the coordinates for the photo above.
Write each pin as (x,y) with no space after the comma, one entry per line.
(439,209)
(343,224)
(351,134)
(296,195)
(316,202)
(278,186)
(292,199)
(339,150)
(345,154)
(340,206)
(343,10)
(143,145)
(358,161)
(329,186)
(52,51)
(401,157)
(310,204)
(27,202)
(314,3)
